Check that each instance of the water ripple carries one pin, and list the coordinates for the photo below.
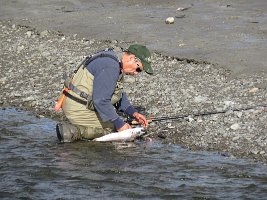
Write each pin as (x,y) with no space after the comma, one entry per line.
(34,166)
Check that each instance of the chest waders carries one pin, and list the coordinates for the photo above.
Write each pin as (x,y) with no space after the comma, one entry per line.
(77,84)
(78,105)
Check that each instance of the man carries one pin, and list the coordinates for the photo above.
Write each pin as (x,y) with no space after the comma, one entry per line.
(94,94)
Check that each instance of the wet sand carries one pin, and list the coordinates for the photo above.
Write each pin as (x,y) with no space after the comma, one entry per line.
(230,34)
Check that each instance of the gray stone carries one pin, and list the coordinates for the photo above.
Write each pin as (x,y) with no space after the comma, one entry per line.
(29,33)
(235,126)
(44,33)
(200,99)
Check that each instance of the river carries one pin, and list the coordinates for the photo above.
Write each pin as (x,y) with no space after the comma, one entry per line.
(35,166)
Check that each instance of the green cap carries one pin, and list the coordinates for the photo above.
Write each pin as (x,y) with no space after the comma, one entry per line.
(144,55)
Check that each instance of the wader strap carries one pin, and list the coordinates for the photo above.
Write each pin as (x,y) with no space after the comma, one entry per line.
(68,84)
(92,58)
(84,95)
(82,63)
(87,60)
(75,98)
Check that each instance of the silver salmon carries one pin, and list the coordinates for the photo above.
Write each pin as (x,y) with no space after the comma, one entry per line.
(123,136)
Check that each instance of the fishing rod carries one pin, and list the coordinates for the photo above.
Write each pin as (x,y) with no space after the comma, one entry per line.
(155,119)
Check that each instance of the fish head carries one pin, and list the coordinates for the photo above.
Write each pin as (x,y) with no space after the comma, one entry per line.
(138,131)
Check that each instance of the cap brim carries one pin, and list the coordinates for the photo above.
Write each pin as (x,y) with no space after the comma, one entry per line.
(147,67)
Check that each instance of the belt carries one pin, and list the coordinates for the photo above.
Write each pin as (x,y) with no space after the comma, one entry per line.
(74,98)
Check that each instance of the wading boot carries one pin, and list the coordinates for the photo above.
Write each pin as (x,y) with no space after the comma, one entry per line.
(67,132)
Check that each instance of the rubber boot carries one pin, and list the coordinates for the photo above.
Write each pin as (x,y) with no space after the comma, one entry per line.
(67,132)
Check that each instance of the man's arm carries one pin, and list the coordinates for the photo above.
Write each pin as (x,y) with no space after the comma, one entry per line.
(106,75)
(125,106)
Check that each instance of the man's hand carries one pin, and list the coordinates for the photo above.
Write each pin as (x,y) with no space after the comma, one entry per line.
(124,127)
(141,119)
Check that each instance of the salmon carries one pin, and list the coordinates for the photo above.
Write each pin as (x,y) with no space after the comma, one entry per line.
(123,136)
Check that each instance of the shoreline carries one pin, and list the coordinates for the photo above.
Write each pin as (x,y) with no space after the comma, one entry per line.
(230,34)
(33,64)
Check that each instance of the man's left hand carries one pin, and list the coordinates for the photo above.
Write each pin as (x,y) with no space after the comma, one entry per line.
(141,119)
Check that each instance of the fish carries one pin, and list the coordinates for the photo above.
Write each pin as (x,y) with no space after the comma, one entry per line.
(128,135)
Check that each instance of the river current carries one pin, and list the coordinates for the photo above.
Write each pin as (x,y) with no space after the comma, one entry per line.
(35,166)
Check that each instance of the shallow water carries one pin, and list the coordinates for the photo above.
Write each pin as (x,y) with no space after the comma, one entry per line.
(35,166)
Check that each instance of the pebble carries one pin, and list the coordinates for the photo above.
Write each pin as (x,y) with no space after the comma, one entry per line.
(262,152)
(190,119)
(170,126)
(235,138)
(255,152)
(20,48)
(228,103)
(181,9)
(239,114)
(28,33)
(44,33)
(30,98)
(3,80)
(235,127)
(253,90)
(200,99)
(169,20)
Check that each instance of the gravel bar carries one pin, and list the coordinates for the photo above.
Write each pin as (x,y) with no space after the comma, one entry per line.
(33,63)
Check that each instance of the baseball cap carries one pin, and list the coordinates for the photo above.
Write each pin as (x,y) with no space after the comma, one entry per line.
(143,54)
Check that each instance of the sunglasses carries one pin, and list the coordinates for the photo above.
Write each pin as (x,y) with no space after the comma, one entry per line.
(138,69)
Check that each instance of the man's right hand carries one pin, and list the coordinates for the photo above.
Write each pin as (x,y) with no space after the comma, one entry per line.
(124,127)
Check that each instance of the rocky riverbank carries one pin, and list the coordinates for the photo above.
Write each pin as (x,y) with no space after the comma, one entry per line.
(32,65)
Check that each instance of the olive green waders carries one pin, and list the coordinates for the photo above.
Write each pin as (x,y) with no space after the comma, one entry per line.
(88,122)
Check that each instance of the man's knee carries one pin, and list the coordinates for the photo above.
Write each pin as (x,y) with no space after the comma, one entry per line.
(93,132)
(67,132)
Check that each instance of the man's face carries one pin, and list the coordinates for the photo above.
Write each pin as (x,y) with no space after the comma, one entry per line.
(131,65)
